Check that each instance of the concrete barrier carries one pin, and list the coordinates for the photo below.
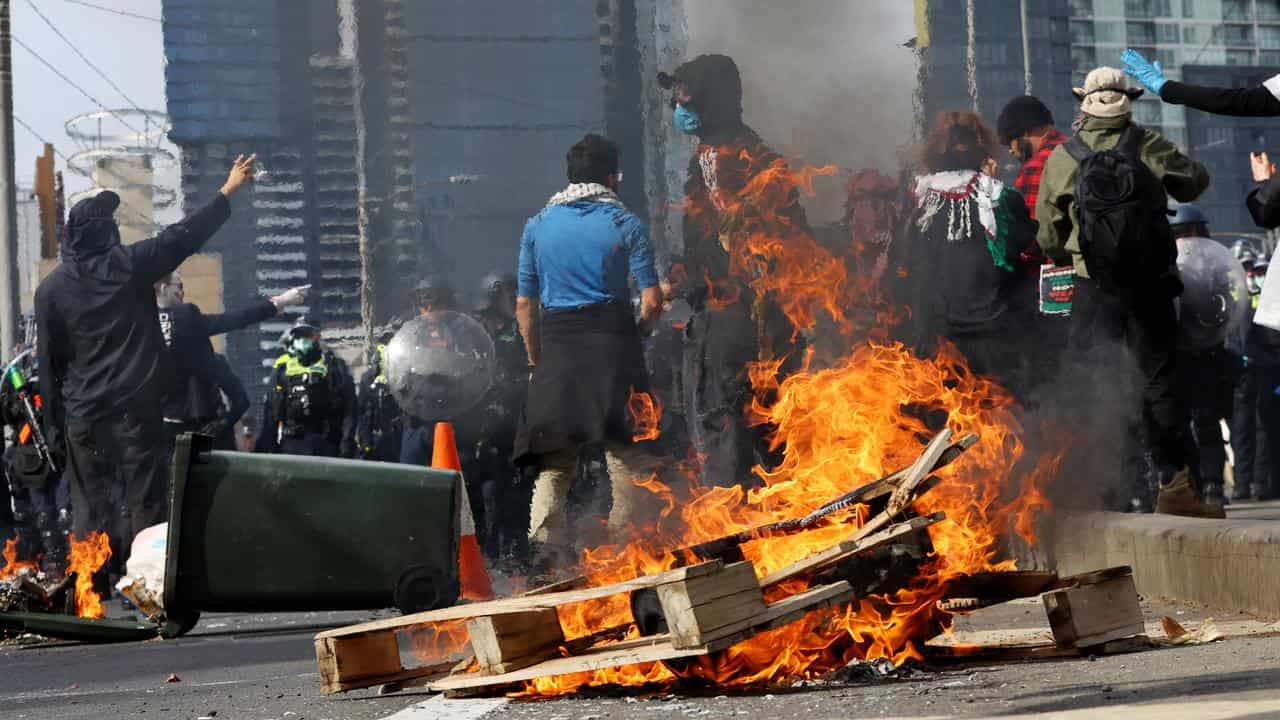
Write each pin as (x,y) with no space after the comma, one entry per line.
(1233,564)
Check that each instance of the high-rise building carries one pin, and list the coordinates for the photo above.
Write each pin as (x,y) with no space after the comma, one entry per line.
(1003,65)
(456,114)
(1214,42)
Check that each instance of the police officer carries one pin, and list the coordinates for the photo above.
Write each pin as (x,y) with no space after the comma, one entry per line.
(505,491)
(40,496)
(309,408)
(432,294)
(381,423)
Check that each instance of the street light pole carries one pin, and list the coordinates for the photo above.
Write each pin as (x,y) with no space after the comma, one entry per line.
(9,288)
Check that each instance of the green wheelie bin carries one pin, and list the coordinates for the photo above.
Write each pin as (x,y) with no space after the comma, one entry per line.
(263,533)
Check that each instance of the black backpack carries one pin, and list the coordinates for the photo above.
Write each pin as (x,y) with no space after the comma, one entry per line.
(1125,237)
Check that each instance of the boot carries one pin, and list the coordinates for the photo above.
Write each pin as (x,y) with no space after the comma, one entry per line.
(1213,494)
(1177,496)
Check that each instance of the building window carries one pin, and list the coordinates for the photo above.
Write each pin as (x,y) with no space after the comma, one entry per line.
(1140,32)
(1167,58)
(1083,8)
(1269,58)
(1268,9)
(1147,8)
(1201,34)
(1109,32)
(1083,59)
(1239,57)
(1147,112)
(1269,36)
(1082,32)
(1168,34)
(1237,10)
(1237,35)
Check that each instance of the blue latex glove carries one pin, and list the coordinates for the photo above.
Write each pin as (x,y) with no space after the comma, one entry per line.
(1150,75)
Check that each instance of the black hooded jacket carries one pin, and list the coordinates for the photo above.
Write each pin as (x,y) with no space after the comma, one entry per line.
(195,395)
(100,343)
(729,156)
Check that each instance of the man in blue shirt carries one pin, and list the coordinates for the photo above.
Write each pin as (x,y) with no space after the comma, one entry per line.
(574,310)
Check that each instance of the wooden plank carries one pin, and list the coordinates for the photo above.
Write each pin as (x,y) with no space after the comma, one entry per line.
(527,603)
(361,661)
(691,626)
(657,648)
(783,612)
(1095,614)
(906,491)
(503,643)
(850,547)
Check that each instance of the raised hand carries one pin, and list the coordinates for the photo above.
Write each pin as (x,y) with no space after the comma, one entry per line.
(1150,75)
(1262,167)
(241,173)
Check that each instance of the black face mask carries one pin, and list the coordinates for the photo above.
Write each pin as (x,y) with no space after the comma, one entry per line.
(1023,149)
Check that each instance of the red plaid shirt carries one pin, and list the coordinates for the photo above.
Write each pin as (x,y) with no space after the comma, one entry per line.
(1028,182)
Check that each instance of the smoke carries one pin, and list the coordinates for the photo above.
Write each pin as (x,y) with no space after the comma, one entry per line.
(830,83)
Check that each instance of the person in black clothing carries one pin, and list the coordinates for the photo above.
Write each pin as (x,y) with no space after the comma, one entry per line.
(234,403)
(310,404)
(40,498)
(1260,101)
(731,326)
(195,401)
(103,363)
(962,253)
(505,494)
(381,422)
(431,294)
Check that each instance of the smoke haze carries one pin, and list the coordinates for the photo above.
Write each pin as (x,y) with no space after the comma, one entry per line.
(829,82)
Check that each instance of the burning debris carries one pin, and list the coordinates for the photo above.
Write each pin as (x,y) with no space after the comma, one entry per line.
(24,589)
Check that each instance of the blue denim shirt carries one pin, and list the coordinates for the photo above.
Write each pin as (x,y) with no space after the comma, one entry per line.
(580,254)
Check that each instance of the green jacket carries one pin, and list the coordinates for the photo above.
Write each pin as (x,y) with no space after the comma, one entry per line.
(1183,178)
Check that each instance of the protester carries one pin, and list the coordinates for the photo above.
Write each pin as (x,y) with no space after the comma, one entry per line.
(1026,128)
(732,327)
(310,405)
(195,402)
(1126,278)
(1250,468)
(234,403)
(961,254)
(1260,101)
(103,362)
(583,344)
(1204,378)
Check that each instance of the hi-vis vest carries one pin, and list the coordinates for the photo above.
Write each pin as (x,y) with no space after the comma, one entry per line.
(303,395)
(381,378)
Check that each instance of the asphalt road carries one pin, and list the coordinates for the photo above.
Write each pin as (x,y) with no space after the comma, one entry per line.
(262,666)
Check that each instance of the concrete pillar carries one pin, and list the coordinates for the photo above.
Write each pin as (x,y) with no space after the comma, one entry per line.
(133,178)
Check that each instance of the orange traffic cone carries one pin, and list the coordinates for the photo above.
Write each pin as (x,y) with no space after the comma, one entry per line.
(471,570)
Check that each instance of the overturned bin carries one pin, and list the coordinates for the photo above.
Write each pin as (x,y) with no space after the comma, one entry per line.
(259,533)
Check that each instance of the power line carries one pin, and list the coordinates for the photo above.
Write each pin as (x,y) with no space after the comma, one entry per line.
(86,60)
(137,214)
(114,11)
(72,83)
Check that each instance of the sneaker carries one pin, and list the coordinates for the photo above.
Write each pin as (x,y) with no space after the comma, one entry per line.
(1178,496)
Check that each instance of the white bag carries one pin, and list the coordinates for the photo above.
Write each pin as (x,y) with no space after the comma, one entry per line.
(144,583)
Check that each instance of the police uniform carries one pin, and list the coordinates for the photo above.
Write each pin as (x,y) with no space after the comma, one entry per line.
(40,499)
(380,424)
(306,409)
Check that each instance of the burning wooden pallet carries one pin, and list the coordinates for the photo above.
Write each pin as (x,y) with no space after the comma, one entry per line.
(705,607)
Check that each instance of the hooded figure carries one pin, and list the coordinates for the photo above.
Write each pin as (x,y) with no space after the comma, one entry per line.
(732,327)
(104,366)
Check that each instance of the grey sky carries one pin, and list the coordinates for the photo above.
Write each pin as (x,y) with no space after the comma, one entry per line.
(129,50)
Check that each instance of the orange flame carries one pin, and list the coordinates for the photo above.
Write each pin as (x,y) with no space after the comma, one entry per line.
(646,414)
(85,559)
(838,428)
(12,565)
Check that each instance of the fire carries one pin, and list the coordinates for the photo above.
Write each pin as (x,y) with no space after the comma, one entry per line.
(839,427)
(646,412)
(86,558)
(12,565)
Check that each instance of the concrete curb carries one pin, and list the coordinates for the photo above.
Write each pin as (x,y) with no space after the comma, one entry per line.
(1232,564)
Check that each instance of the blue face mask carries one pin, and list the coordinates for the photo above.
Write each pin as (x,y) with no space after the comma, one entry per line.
(687,121)
(303,346)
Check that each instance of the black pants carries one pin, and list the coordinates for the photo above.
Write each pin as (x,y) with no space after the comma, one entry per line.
(1112,336)
(719,345)
(310,444)
(1266,482)
(1250,463)
(121,457)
